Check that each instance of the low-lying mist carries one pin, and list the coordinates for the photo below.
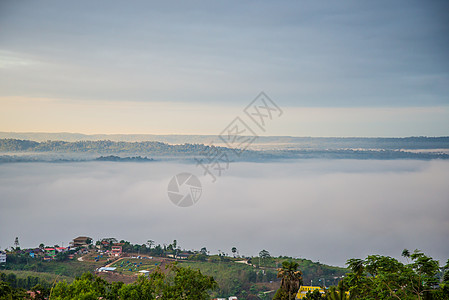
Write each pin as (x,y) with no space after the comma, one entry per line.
(326,210)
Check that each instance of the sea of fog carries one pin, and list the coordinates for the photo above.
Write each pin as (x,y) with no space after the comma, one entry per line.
(324,210)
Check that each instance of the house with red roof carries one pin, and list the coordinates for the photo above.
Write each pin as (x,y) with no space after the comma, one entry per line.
(50,252)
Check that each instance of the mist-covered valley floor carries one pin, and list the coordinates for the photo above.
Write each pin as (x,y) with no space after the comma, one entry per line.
(327,210)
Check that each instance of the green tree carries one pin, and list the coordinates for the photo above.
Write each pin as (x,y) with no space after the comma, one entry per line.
(291,280)
(234,250)
(383,277)
(183,284)
(86,287)
(339,293)
(150,244)
(264,255)
(178,283)
(41,292)
(315,295)
(443,293)
(142,289)
(9,292)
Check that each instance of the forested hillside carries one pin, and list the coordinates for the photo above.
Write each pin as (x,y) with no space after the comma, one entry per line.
(11,147)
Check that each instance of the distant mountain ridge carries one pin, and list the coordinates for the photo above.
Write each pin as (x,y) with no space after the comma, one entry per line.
(15,150)
(262,142)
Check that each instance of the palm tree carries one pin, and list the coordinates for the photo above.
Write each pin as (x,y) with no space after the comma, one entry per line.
(406,254)
(338,293)
(357,266)
(291,279)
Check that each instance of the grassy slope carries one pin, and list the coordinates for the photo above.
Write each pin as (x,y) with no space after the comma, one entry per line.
(49,277)
(231,275)
(70,269)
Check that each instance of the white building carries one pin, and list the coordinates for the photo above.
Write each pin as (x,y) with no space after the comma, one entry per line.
(106,269)
(2,257)
(145,273)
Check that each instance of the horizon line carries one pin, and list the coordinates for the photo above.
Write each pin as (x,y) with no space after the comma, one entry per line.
(216,135)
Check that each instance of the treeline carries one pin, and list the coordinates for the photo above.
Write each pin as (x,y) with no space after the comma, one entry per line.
(135,150)
(149,248)
(118,158)
(147,148)
(14,145)
(317,143)
(26,283)
(384,277)
(360,154)
(393,143)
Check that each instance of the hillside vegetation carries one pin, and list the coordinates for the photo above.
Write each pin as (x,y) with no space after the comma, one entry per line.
(116,150)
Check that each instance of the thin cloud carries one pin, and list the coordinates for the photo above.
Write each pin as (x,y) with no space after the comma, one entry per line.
(323,210)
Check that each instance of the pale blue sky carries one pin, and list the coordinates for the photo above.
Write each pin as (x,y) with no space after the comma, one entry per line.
(83,58)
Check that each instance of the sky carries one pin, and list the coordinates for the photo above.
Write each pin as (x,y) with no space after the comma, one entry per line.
(324,210)
(346,68)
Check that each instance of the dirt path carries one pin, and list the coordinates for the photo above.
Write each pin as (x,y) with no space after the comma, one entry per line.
(117,260)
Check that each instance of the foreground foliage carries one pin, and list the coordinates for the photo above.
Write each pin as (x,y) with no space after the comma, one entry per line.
(375,277)
(250,280)
(291,279)
(177,283)
(384,277)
